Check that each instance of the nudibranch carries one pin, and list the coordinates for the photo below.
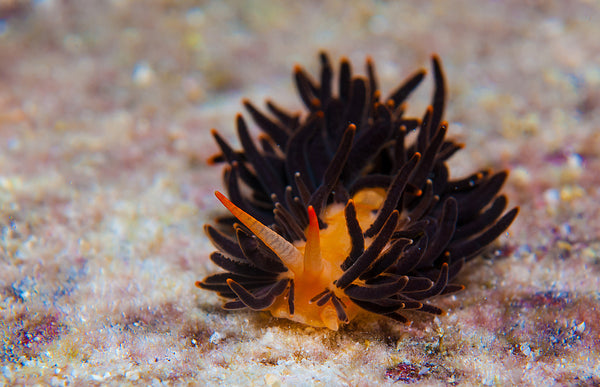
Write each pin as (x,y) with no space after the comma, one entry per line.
(334,211)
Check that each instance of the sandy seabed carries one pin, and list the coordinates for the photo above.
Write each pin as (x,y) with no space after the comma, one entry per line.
(105,112)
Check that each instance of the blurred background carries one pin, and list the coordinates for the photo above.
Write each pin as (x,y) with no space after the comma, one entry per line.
(105,116)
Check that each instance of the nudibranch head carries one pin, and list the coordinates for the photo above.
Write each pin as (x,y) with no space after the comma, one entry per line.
(334,214)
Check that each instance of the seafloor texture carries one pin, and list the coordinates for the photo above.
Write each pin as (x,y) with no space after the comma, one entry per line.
(105,112)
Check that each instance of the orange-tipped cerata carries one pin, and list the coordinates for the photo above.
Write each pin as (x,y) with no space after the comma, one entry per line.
(335,213)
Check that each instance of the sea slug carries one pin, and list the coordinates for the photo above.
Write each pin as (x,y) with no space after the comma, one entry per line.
(335,213)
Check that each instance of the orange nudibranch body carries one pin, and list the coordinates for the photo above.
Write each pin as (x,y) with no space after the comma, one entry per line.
(322,256)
